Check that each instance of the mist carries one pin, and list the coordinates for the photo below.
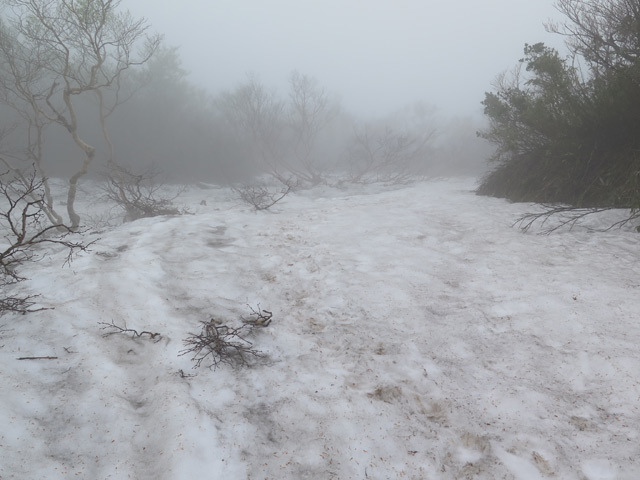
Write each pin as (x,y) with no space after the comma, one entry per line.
(250,239)
(377,55)
(407,73)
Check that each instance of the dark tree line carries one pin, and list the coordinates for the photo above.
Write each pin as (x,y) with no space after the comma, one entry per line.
(567,129)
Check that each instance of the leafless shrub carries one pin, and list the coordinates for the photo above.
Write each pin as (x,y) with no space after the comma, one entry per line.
(25,228)
(156,337)
(218,343)
(139,194)
(262,197)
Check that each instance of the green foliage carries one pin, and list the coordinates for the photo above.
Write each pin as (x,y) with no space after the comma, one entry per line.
(562,136)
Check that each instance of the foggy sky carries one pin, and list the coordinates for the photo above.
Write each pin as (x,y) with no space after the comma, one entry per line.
(375,55)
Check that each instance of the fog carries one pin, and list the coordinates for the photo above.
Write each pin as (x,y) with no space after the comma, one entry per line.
(393,82)
(406,341)
(376,55)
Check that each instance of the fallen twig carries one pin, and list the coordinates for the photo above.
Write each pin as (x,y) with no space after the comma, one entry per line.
(156,337)
(37,358)
(258,317)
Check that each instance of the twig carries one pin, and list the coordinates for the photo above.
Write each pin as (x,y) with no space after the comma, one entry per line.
(156,337)
(37,358)
(258,317)
(185,375)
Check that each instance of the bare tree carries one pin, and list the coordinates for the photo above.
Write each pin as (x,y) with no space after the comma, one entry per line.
(282,135)
(605,33)
(23,88)
(60,50)
(380,154)
(309,112)
(256,114)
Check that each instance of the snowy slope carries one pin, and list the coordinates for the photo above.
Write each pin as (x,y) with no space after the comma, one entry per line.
(415,335)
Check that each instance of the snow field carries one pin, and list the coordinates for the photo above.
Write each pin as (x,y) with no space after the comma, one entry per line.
(416,335)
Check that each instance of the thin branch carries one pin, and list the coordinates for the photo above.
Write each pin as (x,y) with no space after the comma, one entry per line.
(258,317)
(37,358)
(568,216)
(22,222)
(155,336)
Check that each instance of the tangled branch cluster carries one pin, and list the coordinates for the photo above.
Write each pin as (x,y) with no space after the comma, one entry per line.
(218,343)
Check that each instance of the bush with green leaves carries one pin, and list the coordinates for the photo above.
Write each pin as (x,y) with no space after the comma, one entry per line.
(567,130)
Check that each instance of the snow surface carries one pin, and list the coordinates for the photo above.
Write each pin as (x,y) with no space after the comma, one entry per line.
(416,334)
